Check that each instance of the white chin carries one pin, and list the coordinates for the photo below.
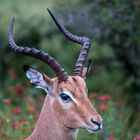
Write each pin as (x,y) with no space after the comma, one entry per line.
(90,130)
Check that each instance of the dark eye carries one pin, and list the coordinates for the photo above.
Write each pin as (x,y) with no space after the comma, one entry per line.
(65,98)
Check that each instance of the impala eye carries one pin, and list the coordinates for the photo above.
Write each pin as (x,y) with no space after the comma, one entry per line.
(65,98)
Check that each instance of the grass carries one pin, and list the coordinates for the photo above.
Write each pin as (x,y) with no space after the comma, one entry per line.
(17,120)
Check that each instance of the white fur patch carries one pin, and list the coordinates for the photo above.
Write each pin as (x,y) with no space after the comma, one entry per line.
(36,78)
(70,95)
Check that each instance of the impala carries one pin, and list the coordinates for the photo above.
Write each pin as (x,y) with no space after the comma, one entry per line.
(66,107)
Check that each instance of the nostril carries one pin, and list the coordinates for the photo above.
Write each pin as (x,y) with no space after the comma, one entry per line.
(95,122)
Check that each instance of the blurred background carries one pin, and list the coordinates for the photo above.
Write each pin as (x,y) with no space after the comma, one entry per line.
(114,80)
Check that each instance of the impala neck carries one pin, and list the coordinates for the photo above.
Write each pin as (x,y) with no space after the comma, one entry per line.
(48,126)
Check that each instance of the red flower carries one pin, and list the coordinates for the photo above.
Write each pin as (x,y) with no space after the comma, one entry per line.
(111,138)
(16,111)
(104,97)
(137,137)
(103,107)
(14,124)
(31,110)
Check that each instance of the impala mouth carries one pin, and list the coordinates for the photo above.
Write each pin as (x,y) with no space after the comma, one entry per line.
(94,129)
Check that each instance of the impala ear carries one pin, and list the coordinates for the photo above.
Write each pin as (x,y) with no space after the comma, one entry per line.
(38,79)
(86,68)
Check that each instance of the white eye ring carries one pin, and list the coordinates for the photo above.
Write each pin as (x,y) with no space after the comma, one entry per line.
(68,95)
(65,98)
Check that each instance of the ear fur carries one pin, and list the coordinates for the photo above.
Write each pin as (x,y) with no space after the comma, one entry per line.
(38,79)
(86,68)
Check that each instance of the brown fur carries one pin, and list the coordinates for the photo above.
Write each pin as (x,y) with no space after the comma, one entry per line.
(58,122)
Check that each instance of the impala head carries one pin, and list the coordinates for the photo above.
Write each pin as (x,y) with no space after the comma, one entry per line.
(67,94)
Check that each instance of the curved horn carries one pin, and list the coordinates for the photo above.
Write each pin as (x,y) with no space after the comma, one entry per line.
(61,74)
(84,41)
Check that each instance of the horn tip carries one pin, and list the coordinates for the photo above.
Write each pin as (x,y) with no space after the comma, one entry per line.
(13,19)
(12,22)
(49,11)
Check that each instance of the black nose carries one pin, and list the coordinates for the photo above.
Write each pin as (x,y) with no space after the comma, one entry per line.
(96,123)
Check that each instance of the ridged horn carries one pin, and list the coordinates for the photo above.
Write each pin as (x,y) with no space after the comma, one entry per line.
(84,41)
(45,57)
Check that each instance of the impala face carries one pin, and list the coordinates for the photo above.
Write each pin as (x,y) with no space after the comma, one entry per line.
(67,94)
(69,100)
(75,107)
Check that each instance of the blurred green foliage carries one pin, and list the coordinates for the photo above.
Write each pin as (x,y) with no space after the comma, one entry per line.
(113,27)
